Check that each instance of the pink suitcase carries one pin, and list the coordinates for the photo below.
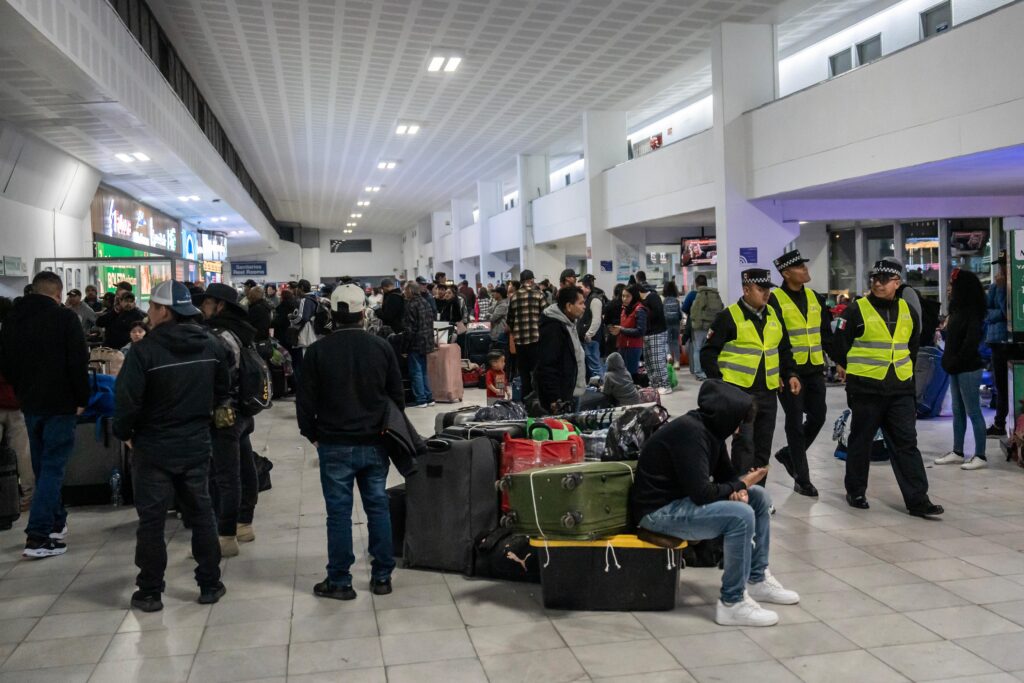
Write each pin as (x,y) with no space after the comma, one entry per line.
(444,371)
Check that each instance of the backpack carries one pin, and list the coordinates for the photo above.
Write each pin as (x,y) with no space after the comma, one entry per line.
(627,434)
(706,306)
(254,382)
(323,318)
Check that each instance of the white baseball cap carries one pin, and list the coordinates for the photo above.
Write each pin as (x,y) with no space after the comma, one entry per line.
(351,295)
(175,295)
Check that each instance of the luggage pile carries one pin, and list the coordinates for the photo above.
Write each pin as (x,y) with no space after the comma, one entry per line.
(542,500)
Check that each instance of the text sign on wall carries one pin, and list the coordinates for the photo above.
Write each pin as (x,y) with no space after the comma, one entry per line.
(117,215)
(248,268)
(748,255)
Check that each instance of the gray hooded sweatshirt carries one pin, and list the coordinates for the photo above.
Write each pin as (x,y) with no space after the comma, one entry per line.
(618,384)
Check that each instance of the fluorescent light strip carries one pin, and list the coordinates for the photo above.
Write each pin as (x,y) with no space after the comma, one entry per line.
(124,157)
(140,156)
(435,64)
(453,64)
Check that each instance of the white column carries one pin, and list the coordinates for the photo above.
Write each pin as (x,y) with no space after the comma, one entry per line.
(898,243)
(743,77)
(609,258)
(440,226)
(311,264)
(532,170)
(462,218)
(943,260)
(860,246)
(489,201)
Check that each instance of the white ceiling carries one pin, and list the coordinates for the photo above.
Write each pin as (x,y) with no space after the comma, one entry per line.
(310,90)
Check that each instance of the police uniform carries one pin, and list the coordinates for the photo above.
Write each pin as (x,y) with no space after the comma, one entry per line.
(809,325)
(751,350)
(876,340)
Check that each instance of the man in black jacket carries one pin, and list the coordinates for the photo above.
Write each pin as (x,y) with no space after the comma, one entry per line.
(561,366)
(117,322)
(875,343)
(656,336)
(343,400)
(44,357)
(418,335)
(392,306)
(170,385)
(235,489)
(686,488)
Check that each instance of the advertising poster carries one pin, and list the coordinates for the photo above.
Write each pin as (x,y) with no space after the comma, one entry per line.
(967,242)
(698,252)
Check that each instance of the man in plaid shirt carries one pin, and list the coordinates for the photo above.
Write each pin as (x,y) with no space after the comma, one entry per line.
(524,310)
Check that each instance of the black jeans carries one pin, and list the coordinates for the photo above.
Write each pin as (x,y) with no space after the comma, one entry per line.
(752,447)
(896,416)
(800,432)
(249,479)
(1000,373)
(526,359)
(156,482)
(230,489)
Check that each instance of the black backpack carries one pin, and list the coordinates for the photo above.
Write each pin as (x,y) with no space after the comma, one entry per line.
(254,383)
(323,319)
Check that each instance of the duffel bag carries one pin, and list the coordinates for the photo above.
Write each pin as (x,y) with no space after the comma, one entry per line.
(506,555)
(629,432)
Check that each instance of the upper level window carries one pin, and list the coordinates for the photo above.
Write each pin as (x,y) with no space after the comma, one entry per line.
(840,63)
(936,20)
(869,50)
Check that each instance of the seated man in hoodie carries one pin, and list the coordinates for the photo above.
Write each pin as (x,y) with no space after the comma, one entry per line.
(560,375)
(618,383)
(686,487)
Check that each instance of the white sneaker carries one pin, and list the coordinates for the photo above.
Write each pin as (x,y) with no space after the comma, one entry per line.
(664,390)
(431,404)
(744,613)
(423,405)
(60,535)
(770,590)
(974,463)
(950,458)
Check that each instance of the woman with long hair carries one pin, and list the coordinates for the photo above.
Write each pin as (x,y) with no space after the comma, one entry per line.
(962,360)
(673,317)
(631,328)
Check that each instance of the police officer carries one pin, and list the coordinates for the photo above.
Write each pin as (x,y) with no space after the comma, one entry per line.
(875,342)
(809,325)
(747,345)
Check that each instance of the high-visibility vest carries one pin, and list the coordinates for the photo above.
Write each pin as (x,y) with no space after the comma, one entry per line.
(804,333)
(741,357)
(874,351)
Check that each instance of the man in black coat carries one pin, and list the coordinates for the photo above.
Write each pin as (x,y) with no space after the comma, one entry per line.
(170,385)
(44,357)
(392,306)
(117,322)
(561,365)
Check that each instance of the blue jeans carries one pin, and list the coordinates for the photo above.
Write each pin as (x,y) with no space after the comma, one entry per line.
(632,359)
(746,528)
(697,339)
(51,439)
(592,353)
(340,466)
(418,378)
(964,388)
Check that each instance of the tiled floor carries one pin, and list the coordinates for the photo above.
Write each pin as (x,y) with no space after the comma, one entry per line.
(885,597)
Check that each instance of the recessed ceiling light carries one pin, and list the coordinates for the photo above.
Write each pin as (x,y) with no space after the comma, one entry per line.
(453,64)
(182,199)
(373,188)
(364,202)
(386,165)
(194,198)
(347,232)
(126,158)
(351,225)
(401,130)
(413,129)
(435,64)
(355,215)
(140,156)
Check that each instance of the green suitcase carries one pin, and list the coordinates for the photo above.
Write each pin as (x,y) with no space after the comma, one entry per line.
(576,502)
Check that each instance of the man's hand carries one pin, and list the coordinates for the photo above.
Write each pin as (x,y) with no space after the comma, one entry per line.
(739,496)
(614,329)
(794,386)
(754,476)
(128,443)
(840,373)
(79,410)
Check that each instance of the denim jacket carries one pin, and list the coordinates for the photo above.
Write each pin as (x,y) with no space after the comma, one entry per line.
(995,320)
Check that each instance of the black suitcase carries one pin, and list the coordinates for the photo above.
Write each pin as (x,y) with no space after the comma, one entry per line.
(278,382)
(460,416)
(477,345)
(396,505)
(10,499)
(97,454)
(492,430)
(450,501)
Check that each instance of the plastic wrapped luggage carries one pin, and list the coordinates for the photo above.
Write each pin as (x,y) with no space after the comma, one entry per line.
(450,502)
(444,372)
(396,505)
(630,430)
(931,381)
(477,344)
(594,444)
(620,573)
(572,502)
(501,410)
(455,417)
(105,360)
(10,498)
(503,554)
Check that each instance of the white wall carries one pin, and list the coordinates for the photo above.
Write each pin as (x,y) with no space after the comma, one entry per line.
(29,232)
(506,230)
(560,214)
(681,124)
(385,259)
(813,245)
(556,179)
(283,265)
(469,241)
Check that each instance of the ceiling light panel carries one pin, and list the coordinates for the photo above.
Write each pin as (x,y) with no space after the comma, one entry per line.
(140,156)
(126,158)
(436,63)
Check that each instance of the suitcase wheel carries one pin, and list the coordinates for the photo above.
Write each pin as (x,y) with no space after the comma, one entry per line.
(508,519)
(571,481)
(502,484)
(571,519)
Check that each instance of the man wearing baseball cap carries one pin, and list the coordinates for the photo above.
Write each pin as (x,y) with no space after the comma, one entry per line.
(809,325)
(344,394)
(875,345)
(82,310)
(747,346)
(171,384)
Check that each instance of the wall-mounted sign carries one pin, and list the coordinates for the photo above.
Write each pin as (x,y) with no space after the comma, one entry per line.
(213,266)
(248,269)
(189,244)
(748,255)
(117,215)
(606,266)
(13,266)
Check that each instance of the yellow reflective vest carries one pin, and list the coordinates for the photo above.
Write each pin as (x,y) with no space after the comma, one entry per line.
(804,333)
(741,357)
(874,351)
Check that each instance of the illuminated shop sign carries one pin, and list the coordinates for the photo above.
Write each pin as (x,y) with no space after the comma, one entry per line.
(119,216)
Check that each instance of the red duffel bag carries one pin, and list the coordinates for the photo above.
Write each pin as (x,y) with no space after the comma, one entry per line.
(520,455)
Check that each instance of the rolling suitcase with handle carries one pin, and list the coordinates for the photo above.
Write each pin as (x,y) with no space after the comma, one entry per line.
(444,372)
(570,502)
(455,417)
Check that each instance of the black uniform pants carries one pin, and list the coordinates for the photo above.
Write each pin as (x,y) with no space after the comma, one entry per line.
(801,432)
(154,484)
(1000,373)
(526,359)
(752,447)
(896,416)
(248,477)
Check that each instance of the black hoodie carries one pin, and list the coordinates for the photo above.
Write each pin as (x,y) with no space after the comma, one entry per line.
(687,458)
(234,321)
(44,357)
(166,393)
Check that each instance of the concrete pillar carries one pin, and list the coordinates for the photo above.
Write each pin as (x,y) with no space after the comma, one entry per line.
(743,77)
(860,244)
(532,170)
(463,268)
(311,265)
(899,246)
(440,227)
(489,201)
(944,268)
